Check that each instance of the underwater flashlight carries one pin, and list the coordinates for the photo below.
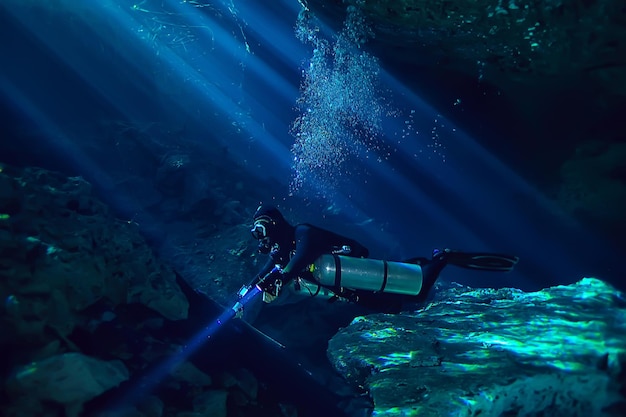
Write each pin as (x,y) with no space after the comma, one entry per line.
(151,380)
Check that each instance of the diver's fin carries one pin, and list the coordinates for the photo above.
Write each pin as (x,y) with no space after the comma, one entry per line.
(482,261)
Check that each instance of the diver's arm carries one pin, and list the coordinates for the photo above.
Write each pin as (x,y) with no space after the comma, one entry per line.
(309,247)
(267,268)
(307,250)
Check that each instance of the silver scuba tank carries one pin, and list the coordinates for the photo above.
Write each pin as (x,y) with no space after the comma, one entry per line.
(368,274)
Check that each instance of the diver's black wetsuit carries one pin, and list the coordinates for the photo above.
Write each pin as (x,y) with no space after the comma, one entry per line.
(309,242)
(295,248)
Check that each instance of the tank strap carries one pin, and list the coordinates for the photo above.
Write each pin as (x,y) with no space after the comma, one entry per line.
(337,271)
(386,271)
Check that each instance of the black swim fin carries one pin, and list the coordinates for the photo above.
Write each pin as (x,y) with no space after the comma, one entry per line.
(481,261)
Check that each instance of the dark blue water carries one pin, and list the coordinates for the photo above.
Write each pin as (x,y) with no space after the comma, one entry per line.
(75,79)
(263,103)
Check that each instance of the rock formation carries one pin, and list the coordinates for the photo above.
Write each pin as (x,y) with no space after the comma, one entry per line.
(70,379)
(62,251)
(66,264)
(556,352)
(95,325)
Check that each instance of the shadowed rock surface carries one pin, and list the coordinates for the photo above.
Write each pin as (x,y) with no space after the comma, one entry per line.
(62,251)
(93,323)
(70,379)
(504,42)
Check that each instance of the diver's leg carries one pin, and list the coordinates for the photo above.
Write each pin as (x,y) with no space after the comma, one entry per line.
(430,272)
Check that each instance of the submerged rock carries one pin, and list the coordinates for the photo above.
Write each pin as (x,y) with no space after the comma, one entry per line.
(211,403)
(69,379)
(556,352)
(62,251)
(74,278)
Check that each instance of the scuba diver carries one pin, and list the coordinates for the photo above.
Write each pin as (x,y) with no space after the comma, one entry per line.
(318,259)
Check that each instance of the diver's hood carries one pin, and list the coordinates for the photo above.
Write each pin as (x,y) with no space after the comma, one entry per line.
(269,211)
(278,229)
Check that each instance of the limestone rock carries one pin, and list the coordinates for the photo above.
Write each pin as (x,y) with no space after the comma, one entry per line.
(61,251)
(559,352)
(189,373)
(503,40)
(247,383)
(594,184)
(211,403)
(242,384)
(151,407)
(69,379)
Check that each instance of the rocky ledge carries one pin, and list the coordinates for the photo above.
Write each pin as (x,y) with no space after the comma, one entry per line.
(556,352)
(62,251)
(66,266)
(94,324)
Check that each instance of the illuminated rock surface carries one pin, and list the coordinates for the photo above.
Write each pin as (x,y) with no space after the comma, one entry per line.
(556,352)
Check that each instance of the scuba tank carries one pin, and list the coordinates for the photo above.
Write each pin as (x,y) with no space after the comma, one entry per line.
(336,271)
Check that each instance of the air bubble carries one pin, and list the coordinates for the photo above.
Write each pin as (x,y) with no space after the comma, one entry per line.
(340,110)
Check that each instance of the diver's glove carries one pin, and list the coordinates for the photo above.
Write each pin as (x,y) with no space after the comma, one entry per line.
(238,307)
(271,284)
